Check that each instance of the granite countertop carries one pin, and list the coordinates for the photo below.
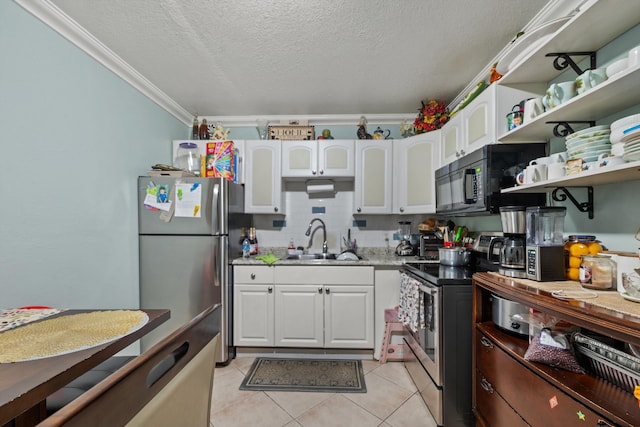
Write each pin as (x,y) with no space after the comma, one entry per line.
(610,300)
(377,257)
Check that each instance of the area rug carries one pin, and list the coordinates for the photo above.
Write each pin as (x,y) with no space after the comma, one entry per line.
(316,375)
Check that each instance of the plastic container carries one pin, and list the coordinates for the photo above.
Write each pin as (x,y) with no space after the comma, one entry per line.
(188,157)
(246,248)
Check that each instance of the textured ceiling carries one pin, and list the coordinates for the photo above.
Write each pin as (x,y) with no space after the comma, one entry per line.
(304,57)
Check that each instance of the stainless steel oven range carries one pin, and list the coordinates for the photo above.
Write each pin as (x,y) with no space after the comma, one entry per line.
(439,356)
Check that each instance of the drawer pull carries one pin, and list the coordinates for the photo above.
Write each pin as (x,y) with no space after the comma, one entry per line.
(270,289)
(603,423)
(486,385)
(320,290)
(327,291)
(486,342)
(253,276)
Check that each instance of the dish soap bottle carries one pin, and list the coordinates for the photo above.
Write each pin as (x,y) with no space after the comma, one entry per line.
(246,248)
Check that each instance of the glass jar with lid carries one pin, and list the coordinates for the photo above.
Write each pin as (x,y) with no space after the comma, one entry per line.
(598,272)
(574,248)
(188,157)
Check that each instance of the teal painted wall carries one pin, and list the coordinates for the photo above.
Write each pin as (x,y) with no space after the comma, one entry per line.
(73,139)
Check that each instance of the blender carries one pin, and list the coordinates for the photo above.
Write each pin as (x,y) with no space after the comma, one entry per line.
(545,250)
(405,248)
(512,252)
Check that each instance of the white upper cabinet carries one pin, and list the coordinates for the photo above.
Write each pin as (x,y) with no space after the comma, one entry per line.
(415,160)
(373,180)
(263,189)
(480,122)
(326,158)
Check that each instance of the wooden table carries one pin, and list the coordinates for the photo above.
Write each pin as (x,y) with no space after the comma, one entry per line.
(24,386)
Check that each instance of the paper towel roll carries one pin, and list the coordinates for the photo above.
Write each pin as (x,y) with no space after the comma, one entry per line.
(320,188)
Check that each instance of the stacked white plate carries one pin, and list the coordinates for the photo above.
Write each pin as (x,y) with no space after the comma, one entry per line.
(631,140)
(589,143)
(624,128)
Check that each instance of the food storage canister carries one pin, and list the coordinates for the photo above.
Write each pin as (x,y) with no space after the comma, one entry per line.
(598,272)
(188,157)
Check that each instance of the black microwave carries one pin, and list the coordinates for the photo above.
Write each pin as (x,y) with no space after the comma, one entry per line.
(471,184)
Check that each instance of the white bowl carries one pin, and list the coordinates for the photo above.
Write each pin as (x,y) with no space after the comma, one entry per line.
(625,121)
(616,67)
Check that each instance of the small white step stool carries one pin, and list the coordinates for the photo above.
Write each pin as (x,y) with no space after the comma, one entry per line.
(390,350)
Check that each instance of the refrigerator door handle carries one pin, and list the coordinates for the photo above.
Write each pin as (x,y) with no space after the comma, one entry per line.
(217,225)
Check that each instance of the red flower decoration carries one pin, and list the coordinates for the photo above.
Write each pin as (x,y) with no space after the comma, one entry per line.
(433,115)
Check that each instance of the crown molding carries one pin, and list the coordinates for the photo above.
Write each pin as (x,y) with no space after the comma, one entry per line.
(55,18)
(311,120)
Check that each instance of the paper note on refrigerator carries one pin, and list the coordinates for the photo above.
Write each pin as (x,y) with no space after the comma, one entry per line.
(188,200)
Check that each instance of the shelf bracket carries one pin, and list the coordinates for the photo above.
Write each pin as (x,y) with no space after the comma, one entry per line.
(564,60)
(582,207)
(563,128)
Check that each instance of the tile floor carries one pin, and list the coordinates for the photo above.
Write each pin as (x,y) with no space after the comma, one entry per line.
(391,400)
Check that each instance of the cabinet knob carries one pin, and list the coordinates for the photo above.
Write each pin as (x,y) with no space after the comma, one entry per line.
(401,209)
(275,209)
(270,289)
(321,171)
(253,276)
(320,290)
(486,342)
(486,385)
(359,210)
(327,290)
(462,153)
(313,172)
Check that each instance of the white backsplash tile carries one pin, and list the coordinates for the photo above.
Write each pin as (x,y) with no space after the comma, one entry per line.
(338,218)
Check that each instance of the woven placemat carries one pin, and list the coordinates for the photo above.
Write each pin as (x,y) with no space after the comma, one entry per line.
(67,333)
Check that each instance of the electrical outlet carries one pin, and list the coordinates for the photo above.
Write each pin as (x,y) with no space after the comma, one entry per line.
(396,236)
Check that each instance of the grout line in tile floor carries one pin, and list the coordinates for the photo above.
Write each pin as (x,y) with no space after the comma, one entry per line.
(391,401)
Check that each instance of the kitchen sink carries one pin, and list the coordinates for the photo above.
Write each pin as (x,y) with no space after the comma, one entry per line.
(310,257)
(324,257)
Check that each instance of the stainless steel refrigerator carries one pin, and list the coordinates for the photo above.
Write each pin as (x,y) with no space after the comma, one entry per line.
(187,250)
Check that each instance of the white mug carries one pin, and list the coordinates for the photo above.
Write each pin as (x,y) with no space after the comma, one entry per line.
(536,173)
(560,157)
(555,170)
(605,160)
(521,178)
(532,108)
(540,161)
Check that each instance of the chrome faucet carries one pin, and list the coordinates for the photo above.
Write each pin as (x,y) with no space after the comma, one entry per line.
(325,247)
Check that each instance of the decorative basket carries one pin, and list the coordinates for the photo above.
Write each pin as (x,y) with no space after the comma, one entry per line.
(611,364)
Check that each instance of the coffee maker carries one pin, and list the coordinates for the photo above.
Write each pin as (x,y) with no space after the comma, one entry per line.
(545,250)
(512,252)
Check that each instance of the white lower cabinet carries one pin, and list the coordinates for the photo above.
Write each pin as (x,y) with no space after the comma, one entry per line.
(305,306)
(253,306)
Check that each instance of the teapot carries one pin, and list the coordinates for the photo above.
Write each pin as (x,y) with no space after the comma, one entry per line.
(380,133)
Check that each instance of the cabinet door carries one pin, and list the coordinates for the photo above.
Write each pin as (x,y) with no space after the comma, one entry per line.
(253,309)
(451,136)
(373,180)
(479,121)
(336,158)
(299,316)
(415,160)
(263,189)
(348,312)
(299,159)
